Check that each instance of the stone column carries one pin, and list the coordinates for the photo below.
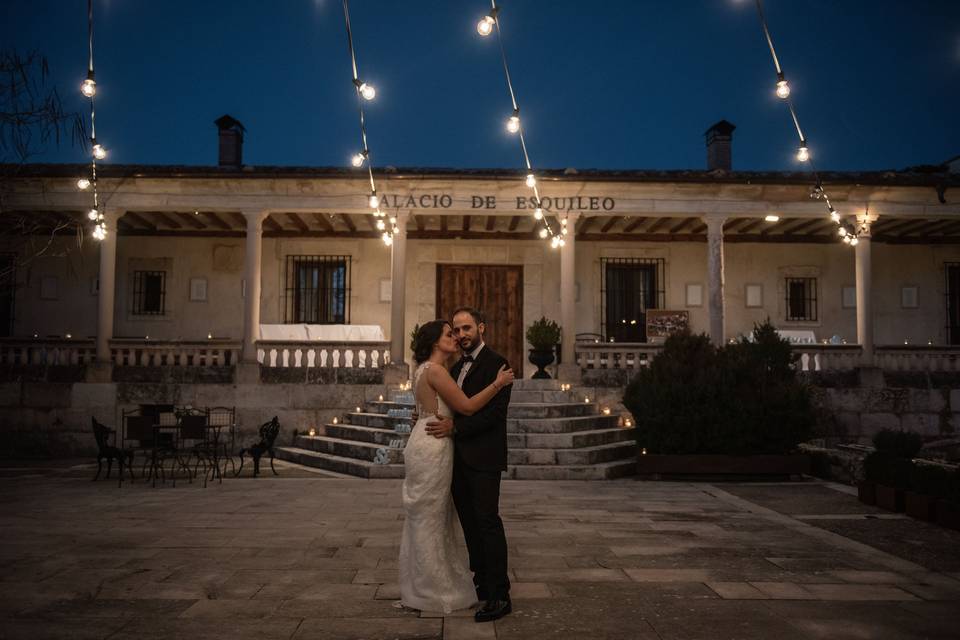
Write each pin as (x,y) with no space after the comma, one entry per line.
(715,278)
(568,370)
(249,368)
(864,295)
(398,370)
(101,371)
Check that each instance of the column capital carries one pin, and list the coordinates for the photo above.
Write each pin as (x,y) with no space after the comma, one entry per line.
(110,218)
(714,223)
(573,216)
(254,217)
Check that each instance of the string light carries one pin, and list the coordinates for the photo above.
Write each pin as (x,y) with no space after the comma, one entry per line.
(487,25)
(89,89)
(803,151)
(365,92)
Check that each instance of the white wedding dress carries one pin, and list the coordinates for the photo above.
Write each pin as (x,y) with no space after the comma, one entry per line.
(434,571)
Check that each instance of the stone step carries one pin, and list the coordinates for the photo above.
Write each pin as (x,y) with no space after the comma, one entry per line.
(580,456)
(570,440)
(561,425)
(516,409)
(529,384)
(339,464)
(375,420)
(361,433)
(348,448)
(366,469)
(603,471)
(549,396)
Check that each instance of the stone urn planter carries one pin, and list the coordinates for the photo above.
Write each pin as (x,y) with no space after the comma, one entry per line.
(541,358)
(710,466)
(543,336)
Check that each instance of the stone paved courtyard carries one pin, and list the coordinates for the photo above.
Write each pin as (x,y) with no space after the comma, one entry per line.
(305,556)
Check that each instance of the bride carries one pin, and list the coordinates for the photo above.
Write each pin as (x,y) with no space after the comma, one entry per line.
(434,573)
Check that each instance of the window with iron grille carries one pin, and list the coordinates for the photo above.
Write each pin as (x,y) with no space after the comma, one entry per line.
(628,287)
(952,274)
(8,292)
(149,293)
(317,290)
(801,299)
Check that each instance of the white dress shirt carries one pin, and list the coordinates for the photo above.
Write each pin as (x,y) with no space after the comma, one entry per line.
(467,365)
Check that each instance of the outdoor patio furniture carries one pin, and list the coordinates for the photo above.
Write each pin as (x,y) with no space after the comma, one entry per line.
(154,439)
(222,422)
(105,450)
(268,435)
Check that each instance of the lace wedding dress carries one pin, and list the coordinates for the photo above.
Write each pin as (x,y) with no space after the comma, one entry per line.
(434,572)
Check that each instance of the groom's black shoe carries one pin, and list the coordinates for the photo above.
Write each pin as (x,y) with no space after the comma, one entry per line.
(492,610)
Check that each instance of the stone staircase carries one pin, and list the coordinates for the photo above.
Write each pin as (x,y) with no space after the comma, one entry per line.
(551,435)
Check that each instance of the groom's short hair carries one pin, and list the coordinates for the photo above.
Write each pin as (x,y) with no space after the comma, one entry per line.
(477,316)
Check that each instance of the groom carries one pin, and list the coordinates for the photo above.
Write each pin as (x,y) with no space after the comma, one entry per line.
(480,454)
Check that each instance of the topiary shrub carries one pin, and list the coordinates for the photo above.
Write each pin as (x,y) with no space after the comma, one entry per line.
(901,444)
(741,399)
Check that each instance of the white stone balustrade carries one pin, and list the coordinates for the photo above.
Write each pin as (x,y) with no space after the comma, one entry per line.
(827,357)
(51,351)
(917,358)
(174,353)
(345,355)
(615,355)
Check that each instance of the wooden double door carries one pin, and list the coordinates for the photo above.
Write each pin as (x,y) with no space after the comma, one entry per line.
(497,292)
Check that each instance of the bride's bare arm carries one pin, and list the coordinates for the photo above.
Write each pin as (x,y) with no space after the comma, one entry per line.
(445,386)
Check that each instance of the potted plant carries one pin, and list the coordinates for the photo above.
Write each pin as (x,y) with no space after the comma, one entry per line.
(543,335)
(889,467)
(737,410)
(928,484)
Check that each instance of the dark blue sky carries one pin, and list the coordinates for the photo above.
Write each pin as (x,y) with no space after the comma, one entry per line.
(601,84)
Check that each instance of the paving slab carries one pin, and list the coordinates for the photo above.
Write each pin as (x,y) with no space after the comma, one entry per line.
(308,556)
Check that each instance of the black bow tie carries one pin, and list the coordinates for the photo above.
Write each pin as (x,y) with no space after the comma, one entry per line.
(467,358)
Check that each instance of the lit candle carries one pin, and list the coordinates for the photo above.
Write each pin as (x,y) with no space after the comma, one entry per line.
(606,411)
(643,451)
(358,409)
(380,398)
(335,420)
(628,422)
(313,432)
(587,400)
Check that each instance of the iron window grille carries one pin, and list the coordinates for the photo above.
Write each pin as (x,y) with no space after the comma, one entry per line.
(952,294)
(801,299)
(8,292)
(317,290)
(149,293)
(628,288)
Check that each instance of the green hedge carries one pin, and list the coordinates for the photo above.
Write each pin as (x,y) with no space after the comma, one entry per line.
(739,399)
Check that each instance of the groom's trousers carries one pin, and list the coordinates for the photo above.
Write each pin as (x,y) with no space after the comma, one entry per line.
(476,495)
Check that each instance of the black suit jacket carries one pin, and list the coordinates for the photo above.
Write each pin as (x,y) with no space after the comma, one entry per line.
(481,439)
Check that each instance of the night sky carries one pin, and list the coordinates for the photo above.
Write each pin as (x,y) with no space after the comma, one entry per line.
(601,84)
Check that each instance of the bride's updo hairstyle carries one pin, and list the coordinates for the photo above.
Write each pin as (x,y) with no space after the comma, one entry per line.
(427,336)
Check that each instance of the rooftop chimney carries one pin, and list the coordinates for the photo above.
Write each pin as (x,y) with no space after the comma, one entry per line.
(719,151)
(231,141)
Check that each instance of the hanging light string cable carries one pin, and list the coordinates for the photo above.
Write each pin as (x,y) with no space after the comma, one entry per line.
(515,125)
(89,89)
(849,235)
(366,91)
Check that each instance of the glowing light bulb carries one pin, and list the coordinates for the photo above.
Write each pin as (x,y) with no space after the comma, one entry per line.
(83,183)
(543,233)
(854,241)
(772,218)
(563,231)
(803,153)
(367,91)
(99,152)
(531,180)
(358,158)
(380,225)
(374,201)
(393,220)
(562,242)
(842,231)
(564,222)
(513,122)
(834,215)
(846,239)
(485,26)
(89,86)
(387,239)
(99,232)
(538,213)
(783,90)
(555,242)
(93,214)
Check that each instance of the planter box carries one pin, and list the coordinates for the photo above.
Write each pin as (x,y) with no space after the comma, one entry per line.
(948,514)
(890,498)
(920,506)
(689,466)
(867,493)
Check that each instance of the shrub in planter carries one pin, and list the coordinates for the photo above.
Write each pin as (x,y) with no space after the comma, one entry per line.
(927,484)
(543,335)
(902,444)
(740,399)
(890,475)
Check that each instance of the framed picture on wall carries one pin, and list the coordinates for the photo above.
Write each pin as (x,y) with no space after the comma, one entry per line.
(694,296)
(848,297)
(909,297)
(386,290)
(754,295)
(198,289)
